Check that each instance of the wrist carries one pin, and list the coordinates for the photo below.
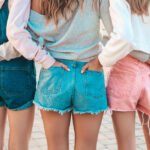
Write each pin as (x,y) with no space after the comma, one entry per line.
(49,62)
(98,62)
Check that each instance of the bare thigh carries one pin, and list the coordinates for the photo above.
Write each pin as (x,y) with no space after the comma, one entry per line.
(20,123)
(86,128)
(56,129)
(124,125)
(145,119)
(3,113)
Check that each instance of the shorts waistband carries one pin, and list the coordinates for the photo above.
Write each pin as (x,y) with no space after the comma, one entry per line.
(72,62)
(130,59)
(17,63)
(134,62)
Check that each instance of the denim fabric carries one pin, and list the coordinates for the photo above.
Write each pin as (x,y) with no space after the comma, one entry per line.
(3,21)
(62,91)
(17,83)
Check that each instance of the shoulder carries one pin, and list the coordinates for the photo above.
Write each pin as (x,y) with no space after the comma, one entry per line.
(19,3)
(120,8)
(119,4)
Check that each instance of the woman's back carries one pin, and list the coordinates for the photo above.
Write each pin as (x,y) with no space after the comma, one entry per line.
(130,25)
(78,36)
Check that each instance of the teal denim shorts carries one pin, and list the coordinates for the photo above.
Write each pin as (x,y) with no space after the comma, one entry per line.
(62,91)
(17,84)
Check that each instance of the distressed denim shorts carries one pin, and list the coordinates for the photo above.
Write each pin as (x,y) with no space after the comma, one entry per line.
(129,86)
(17,84)
(62,91)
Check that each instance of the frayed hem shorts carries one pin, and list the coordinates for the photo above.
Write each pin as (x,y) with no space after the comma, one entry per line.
(129,86)
(62,91)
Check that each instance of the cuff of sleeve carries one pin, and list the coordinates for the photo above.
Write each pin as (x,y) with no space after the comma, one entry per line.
(48,62)
(45,59)
(102,61)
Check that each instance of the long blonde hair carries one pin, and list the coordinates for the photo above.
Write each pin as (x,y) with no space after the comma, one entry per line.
(53,9)
(139,7)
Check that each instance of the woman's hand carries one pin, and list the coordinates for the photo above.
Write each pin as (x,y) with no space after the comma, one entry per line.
(92,65)
(59,64)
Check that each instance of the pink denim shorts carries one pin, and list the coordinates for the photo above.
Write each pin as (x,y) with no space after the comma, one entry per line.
(129,86)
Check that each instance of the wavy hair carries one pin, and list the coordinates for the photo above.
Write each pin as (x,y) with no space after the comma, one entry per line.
(53,9)
(139,7)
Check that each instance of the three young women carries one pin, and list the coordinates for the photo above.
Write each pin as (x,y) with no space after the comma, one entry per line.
(63,36)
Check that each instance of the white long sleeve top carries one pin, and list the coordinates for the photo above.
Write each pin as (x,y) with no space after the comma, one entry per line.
(130,32)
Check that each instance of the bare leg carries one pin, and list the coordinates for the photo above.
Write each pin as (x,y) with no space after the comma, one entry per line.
(86,131)
(124,125)
(3,113)
(21,123)
(145,129)
(56,129)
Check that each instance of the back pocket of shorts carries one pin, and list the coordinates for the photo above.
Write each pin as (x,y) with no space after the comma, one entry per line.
(16,82)
(95,84)
(50,80)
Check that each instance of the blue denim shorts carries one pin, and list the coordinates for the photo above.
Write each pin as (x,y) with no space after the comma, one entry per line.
(17,84)
(62,91)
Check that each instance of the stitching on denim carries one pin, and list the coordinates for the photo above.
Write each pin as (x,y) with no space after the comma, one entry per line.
(16,94)
(101,90)
(54,91)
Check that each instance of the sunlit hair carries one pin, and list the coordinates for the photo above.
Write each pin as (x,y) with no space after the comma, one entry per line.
(139,7)
(54,9)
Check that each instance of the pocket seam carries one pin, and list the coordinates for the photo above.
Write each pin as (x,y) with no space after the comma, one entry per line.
(16,93)
(51,91)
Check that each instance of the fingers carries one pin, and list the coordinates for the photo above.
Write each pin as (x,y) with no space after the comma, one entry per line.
(85,68)
(58,64)
(64,66)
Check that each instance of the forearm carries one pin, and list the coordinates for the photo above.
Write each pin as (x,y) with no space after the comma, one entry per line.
(7,52)
(121,42)
(115,49)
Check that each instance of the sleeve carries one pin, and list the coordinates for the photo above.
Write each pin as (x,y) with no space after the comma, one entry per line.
(105,15)
(121,41)
(7,52)
(21,39)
